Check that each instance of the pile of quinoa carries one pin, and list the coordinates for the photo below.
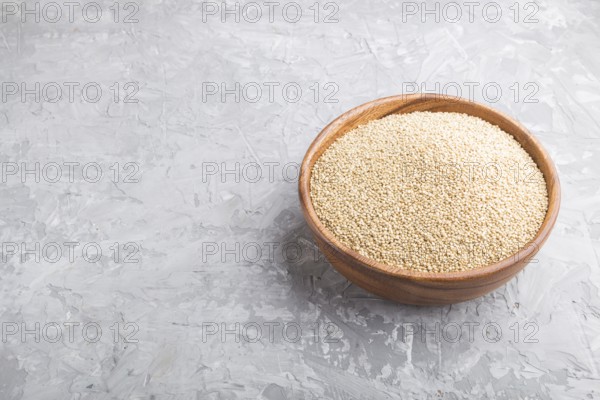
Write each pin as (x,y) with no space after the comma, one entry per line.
(430,192)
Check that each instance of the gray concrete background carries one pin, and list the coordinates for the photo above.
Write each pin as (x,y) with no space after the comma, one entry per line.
(186,271)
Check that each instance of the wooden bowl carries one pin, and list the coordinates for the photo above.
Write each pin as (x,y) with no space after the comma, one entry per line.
(407,286)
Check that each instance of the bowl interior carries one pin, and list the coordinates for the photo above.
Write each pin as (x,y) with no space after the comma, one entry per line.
(424,102)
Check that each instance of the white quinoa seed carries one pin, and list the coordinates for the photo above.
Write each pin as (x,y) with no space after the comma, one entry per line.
(430,192)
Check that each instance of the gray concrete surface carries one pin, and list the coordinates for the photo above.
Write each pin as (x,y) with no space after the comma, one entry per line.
(152,242)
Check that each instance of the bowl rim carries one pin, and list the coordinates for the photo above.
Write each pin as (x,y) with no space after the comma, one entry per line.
(322,233)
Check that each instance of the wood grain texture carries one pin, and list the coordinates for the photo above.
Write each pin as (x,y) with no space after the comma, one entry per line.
(407,286)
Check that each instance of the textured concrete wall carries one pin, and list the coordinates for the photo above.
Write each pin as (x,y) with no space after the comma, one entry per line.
(186,271)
